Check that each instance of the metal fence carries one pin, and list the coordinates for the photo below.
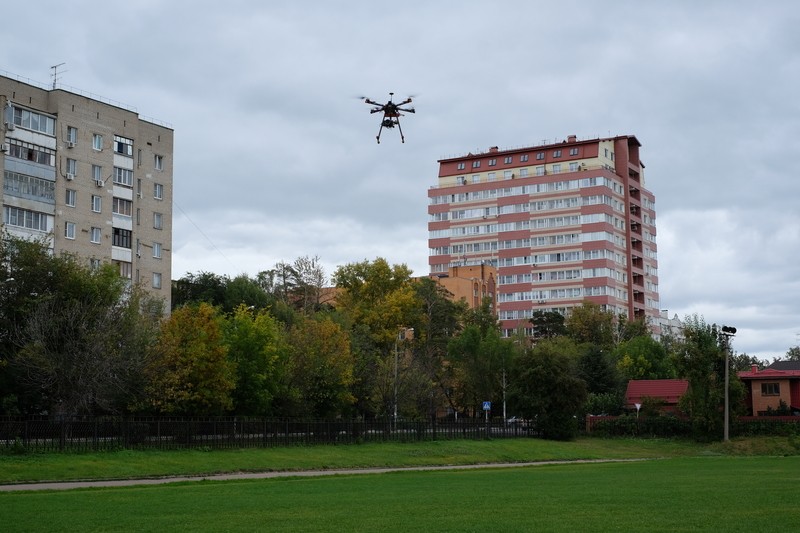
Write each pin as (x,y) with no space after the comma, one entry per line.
(49,434)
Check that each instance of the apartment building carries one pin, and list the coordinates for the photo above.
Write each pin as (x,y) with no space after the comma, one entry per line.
(91,177)
(561,223)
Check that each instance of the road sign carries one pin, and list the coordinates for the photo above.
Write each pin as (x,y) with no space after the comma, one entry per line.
(487,406)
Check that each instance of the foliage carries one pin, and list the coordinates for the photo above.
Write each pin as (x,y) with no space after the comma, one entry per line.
(606,403)
(547,388)
(793,354)
(598,370)
(643,357)
(254,343)
(700,359)
(589,323)
(548,324)
(189,373)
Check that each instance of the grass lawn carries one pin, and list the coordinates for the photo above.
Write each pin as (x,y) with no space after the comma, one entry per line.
(139,464)
(709,493)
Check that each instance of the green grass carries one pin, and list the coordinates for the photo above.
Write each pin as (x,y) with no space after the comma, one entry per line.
(712,493)
(142,464)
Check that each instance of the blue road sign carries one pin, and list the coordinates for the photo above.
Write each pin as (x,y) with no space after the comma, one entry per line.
(487,406)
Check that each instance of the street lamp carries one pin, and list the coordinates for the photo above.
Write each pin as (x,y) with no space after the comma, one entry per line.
(727,332)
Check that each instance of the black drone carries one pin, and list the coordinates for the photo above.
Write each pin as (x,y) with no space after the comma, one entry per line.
(391,114)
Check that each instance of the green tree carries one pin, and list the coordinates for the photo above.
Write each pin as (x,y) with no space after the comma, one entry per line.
(254,344)
(547,390)
(598,369)
(320,369)
(201,287)
(701,360)
(643,358)
(793,354)
(189,373)
(589,323)
(548,324)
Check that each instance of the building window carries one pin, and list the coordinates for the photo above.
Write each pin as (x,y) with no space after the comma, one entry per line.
(72,135)
(31,120)
(540,156)
(22,218)
(156,280)
(573,151)
(508,159)
(476,164)
(556,153)
(158,162)
(157,250)
(523,158)
(158,191)
(573,167)
(69,230)
(70,197)
(492,162)
(540,170)
(123,146)
(97,203)
(94,235)
(123,176)
(125,269)
(97,173)
(770,389)
(97,141)
(122,238)
(72,168)
(507,174)
(491,176)
(476,178)
(523,172)
(158,222)
(461,166)
(122,207)
(31,152)
(556,168)
(94,264)
(24,186)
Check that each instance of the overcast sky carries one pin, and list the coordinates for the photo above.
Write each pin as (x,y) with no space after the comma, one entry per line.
(275,156)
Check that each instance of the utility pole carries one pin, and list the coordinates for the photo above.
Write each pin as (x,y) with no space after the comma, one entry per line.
(727,332)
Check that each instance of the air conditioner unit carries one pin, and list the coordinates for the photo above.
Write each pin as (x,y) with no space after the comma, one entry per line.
(140,195)
(3,147)
(99,183)
(9,126)
(70,176)
(70,144)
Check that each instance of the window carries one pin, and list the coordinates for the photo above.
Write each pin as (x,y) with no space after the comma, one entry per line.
(158,191)
(22,218)
(491,176)
(22,185)
(97,141)
(34,121)
(461,166)
(556,168)
(476,178)
(158,162)
(157,250)
(476,164)
(573,167)
(492,162)
(156,280)
(523,172)
(508,159)
(94,235)
(70,198)
(72,167)
(123,176)
(540,156)
(125,269)
(770,389)
(97,173)
(507,174)
(94,264)
(523,158)
(120,206)
(69,230)
(97,203)
(72,135)
(556,153)
(573,151)
(123,146)
(540,170)
(31,152)
(121,237)
(158,222)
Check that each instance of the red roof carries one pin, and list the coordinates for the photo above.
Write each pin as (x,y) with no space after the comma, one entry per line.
(667,390)
(769,373)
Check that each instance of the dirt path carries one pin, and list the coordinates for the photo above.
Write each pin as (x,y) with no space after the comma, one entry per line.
(67,485)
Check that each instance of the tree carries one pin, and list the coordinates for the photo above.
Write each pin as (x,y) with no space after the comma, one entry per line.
(254,344)
(598,370)
(793,354)
(643,358)
(189,373)
(547,390)
(701,360)
(547,325)
(201,287)
(588,323)
(320,369)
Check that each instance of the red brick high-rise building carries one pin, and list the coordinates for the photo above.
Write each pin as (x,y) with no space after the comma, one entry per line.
(562,223)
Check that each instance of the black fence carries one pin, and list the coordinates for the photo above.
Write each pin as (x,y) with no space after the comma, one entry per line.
(75,434)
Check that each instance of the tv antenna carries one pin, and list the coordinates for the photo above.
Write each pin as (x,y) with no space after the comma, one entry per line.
(55,73)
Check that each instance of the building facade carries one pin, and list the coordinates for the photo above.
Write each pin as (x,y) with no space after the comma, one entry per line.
(561,223)
(91,178)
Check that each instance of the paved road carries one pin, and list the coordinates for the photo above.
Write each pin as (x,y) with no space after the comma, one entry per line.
(67,485)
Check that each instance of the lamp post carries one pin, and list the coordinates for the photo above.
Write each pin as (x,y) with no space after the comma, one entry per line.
(727,332)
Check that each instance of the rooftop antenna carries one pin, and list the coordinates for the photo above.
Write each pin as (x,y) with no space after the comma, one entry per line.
(55,73)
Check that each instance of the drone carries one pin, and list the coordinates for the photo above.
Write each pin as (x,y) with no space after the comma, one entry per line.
(391,114)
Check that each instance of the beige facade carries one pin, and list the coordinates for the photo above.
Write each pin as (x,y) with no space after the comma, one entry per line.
(91,177)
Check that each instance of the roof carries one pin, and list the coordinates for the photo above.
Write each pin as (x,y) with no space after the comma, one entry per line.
(785,365)
(667,390)
(770,373)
